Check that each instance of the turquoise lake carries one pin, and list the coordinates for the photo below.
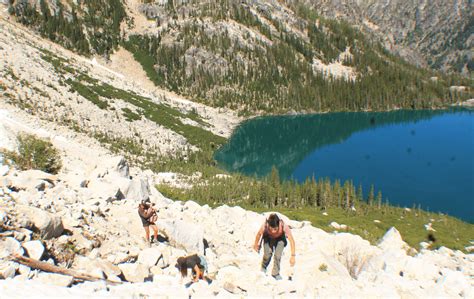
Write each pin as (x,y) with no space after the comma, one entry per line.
(416,158)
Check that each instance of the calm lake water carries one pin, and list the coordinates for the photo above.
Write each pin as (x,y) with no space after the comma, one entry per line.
(421,158)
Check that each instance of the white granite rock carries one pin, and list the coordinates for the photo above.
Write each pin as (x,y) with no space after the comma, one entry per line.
(35,249)
(149,257)
(10,246)
(4,169)
(32,180)
(186,235)
(392,240)
(134,272)
(54,279)
(48,225)
(8,269)
(138,190)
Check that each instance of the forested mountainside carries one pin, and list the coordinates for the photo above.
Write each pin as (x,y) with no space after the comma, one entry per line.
(435,33)
(251,56)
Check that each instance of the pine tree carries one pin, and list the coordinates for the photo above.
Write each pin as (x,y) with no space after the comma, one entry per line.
(379,199)
(371,197)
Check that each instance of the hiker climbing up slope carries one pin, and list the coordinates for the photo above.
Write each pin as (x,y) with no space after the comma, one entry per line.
(148,216)
(274,234)
(197,263)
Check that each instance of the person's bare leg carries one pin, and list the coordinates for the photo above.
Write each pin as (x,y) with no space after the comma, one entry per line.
(155,232)
(147,233)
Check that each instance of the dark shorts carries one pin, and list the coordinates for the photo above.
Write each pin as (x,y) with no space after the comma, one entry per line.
(146,222)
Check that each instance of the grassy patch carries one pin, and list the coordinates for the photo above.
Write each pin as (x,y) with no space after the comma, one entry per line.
(88,93)
(59,63)
(130,115)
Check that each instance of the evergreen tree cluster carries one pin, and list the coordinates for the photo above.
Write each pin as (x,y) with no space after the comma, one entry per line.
(270,193)
(88,27)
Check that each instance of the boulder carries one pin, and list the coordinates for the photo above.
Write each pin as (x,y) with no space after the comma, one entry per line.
(134,272)
(149,257)
(10,246)
(48,225)
(419,269)
(4,169)
(35,249)
(81,243)
(164,260)
(8,270)
(335,225)
(118,165)
(455,284)
(392,240)
(8,139)
(138,190)
(24,270)
(54,279)
(192,206)
(231,288)
(3,217)
(200,289)
(182,234)
(32,180)
(118,258)
(105,190)
(96,267)
(240,280)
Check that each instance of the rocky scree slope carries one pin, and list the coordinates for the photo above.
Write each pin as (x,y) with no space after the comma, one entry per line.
(69,90)
(85,218)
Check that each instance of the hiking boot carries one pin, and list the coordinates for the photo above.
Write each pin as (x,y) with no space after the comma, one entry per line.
(277,277)
(152,239)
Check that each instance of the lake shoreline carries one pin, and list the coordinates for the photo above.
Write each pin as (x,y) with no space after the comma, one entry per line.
(285,141)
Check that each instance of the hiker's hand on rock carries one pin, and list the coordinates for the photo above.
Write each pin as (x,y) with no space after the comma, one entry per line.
(256,247)
(292,260)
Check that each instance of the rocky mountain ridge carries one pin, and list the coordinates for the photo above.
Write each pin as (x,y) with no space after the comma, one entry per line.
(438,34)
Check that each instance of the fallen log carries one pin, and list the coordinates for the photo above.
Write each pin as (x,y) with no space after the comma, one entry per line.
(47,267)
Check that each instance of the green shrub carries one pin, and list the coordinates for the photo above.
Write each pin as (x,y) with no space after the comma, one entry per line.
(323,267)
(35,153)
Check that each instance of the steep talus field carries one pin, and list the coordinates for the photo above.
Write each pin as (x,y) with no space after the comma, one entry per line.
(69,90)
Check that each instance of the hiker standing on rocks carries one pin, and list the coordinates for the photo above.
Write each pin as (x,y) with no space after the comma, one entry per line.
(274,234)
(195,262)
(149,217)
